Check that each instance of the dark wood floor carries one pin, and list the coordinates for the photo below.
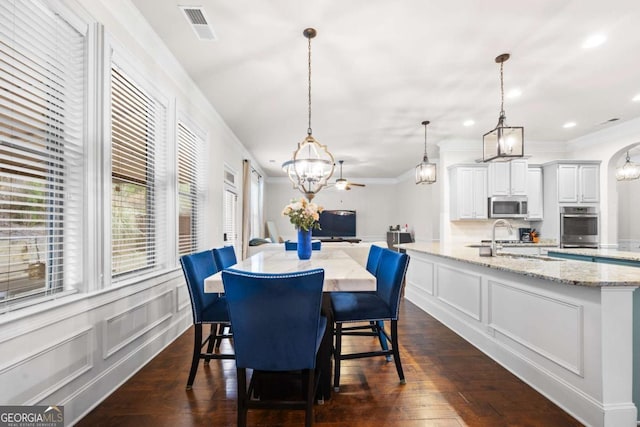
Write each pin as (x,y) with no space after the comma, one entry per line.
(449,384)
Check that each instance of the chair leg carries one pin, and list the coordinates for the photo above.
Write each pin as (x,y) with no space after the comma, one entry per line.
(337,357)
(396,350)
(308,419)
(195,360)
(219,334)
(241,379)
(212,339)
(383,340)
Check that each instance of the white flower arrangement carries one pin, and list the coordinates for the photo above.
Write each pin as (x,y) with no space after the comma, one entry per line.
(303,214)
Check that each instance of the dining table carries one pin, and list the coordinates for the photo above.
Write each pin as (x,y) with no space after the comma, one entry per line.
(341,273)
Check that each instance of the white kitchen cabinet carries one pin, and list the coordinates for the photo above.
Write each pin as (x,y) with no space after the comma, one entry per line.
(589,179)
(567,183)
(578,183)
(468,194)
(535,204)
(508,178)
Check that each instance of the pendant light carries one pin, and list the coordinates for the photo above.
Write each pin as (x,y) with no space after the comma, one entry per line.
(312,164)
(504,142)
(628,171)
(425,171)
(341,183)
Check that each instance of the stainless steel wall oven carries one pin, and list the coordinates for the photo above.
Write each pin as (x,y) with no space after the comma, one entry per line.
(579,227)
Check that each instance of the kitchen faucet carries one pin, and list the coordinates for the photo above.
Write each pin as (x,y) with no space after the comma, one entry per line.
(504,223)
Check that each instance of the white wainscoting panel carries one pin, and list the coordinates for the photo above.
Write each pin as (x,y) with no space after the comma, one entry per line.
(421,275)
(183,298)
(37,374)
(527,318)
(127,326)
(460,290)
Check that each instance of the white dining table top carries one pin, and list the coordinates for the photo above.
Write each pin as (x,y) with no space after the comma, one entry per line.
(341,272)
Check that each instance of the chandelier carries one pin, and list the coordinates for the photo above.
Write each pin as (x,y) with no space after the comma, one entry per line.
(504,142)
(628,171)
(312,164)
(425,171)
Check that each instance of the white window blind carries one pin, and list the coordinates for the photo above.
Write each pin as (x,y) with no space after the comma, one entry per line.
(190,156)
(138,210)
(42,99)
(230,212)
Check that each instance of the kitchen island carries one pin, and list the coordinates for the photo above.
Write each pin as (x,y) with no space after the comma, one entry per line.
(564,327)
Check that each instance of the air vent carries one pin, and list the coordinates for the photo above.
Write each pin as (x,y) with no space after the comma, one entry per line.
(197,18)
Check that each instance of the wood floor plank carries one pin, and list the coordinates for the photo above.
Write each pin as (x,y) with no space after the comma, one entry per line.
(450,383)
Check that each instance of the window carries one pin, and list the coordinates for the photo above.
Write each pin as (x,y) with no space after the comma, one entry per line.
(230,213)
(190,169)
(137,176)
(42,99)
(256,204)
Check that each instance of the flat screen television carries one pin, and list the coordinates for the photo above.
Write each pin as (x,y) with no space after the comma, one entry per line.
(336,223)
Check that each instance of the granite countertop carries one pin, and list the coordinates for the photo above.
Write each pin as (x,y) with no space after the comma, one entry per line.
(605,253)
(517,244)
(579,273)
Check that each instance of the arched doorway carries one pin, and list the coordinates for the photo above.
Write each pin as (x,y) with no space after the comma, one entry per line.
(628,202)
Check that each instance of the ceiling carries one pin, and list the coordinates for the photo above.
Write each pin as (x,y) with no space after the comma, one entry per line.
(380,68)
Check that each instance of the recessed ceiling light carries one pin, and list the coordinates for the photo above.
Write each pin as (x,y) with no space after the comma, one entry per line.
(569,125)
(636,98)
(594,40)
(468,123)
(514,93)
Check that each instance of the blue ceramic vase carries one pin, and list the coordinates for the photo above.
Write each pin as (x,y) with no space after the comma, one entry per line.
(304,244)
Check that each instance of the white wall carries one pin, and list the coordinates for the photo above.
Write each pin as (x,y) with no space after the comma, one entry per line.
(75,350)
(418,206)
(378,205)
(628,223)
(375,206)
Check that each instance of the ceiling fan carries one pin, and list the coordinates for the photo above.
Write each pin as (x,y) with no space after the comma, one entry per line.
(342,183)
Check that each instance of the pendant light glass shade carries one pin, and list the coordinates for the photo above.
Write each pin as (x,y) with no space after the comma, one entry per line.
(426,172)
(341,183)
(628,171)
(312,164)
(504,142)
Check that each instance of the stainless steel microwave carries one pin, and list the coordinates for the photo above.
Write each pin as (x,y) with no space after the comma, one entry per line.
(508,207)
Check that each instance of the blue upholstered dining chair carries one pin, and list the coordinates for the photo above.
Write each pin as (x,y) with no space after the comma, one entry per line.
(373,259)
(206,308)
(316,245)
(277,326)
(375,307)
(290,246)
(225,257)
